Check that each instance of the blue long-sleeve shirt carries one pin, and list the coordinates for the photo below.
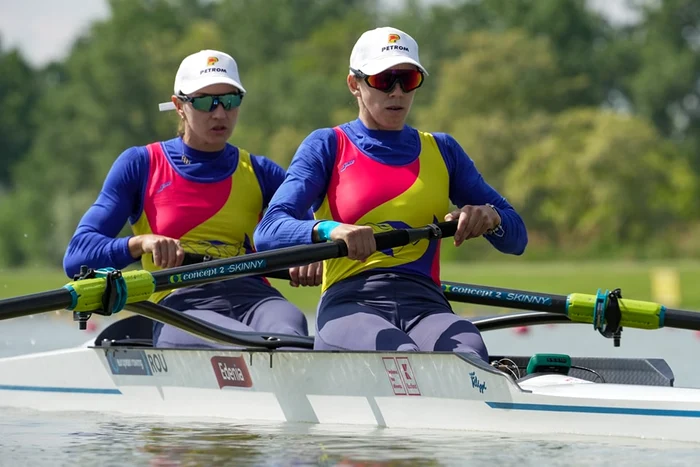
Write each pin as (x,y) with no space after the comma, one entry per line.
(307,179)
(95,242)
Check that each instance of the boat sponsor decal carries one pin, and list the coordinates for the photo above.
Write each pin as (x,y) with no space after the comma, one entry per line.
(156,362)
(235,268)
(136,362)
(231,371)
(401,377)
(498,295)
(128,362)
(476,384)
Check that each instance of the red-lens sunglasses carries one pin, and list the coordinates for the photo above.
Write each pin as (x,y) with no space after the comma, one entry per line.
(409,80)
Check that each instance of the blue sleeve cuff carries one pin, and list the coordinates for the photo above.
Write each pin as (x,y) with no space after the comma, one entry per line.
(324,229)
(121,257)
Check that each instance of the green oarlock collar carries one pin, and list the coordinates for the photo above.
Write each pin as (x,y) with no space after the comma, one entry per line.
(635,313)
(87,293)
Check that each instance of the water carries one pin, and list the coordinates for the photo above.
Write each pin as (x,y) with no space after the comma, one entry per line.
(57,439)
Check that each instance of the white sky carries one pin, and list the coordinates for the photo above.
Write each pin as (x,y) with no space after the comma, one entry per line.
(44,30)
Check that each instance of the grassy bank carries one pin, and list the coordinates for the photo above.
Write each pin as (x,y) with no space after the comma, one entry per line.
(634,278)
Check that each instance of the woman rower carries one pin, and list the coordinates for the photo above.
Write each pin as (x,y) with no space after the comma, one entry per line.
(377,173)
(195,194)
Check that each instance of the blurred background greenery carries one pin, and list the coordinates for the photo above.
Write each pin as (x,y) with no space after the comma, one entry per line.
(588,127)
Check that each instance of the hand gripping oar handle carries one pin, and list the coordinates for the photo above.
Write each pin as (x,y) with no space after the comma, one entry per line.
(384,241)
(86,295)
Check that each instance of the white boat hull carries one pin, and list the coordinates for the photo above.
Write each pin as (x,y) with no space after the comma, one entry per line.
(403,390)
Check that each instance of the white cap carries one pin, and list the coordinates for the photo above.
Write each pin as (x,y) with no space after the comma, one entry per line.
(379,49)
(202,69)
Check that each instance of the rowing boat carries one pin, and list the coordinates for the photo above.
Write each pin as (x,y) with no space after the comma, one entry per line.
(617,397)
(278,378)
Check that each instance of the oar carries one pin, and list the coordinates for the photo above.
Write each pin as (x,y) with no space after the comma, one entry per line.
(214,333)
(606,310)
(526,318)
(87,295)
(558,308)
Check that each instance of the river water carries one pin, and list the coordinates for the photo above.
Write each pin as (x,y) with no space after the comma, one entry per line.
(33,438)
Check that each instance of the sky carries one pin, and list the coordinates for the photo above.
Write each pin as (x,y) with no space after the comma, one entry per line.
(49,35)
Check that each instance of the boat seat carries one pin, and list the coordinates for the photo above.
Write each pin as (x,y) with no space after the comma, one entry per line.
(134,331)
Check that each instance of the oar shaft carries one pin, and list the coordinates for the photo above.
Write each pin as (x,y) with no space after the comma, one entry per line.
(247,265)
(284,258)
(507,298)
(492,323)
(214,333)
(41,302)
(87,295)
(580,308)
(680,319)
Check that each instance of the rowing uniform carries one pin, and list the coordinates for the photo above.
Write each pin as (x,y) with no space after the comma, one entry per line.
(211,202)
(388,180)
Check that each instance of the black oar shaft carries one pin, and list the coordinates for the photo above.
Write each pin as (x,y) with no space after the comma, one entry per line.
(37,303)
(681,319)
(533,318)
(247,265)
(642,315)
(507,298)
(216,333)
(274,260)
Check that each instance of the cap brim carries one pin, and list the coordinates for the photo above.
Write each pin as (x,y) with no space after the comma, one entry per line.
(380,65)
(208,81)
(165,106)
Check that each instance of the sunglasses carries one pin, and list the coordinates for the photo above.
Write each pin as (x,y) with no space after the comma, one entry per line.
(210,103)
(409,80)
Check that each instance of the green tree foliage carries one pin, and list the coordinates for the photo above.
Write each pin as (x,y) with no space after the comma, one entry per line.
(656,68)
(602,178)
(577,37)
(496,96)
(105,101)
(18,96)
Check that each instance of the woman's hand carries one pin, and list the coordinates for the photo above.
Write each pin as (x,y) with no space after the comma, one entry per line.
(166,251)
(473,221)
(309,275)
(358,238)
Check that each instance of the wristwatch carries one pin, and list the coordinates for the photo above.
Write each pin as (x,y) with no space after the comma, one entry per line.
(498,230)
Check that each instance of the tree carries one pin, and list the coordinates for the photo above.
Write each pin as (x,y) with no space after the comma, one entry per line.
(104,102)
(659,68)
(496,97)
(295,56)
(601,178)
(19,94)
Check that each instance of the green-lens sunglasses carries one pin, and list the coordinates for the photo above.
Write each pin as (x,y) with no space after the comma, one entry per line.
(210,103)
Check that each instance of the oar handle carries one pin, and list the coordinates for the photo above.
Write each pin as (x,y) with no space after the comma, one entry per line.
(384,241)
(284,258)
(401,237)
